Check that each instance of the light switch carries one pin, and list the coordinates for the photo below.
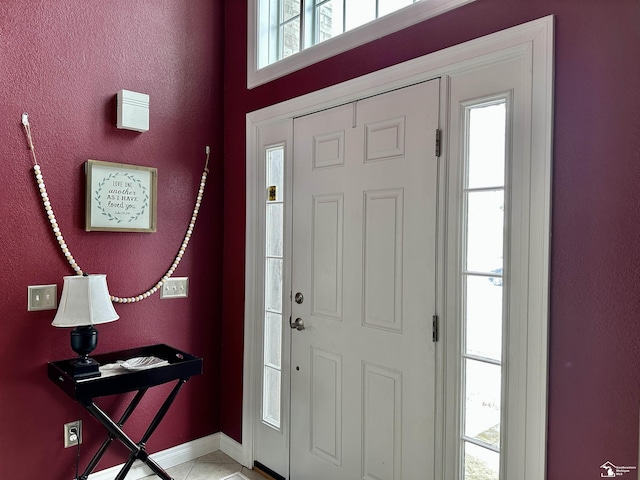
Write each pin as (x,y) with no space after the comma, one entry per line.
(176,287)
(42,297)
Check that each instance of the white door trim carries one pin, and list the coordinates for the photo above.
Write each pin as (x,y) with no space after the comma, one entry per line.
(535,39)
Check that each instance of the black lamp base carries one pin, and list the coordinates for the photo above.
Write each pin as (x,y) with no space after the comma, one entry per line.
(85,368)
(84,340)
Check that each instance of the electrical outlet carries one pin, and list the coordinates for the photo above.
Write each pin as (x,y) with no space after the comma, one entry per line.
(72,434)
(42,297)
(177,287)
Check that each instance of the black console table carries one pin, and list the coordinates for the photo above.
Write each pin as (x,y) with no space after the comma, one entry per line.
(181,366)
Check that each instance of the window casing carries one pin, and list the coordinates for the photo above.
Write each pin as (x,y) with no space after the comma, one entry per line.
(531,47)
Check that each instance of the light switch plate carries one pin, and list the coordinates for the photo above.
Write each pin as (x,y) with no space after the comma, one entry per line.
(176,287)
(42,297)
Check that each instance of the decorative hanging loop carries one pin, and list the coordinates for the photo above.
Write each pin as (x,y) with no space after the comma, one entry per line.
(65,249)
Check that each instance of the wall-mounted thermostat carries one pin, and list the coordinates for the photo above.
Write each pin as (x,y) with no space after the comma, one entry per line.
(133,111)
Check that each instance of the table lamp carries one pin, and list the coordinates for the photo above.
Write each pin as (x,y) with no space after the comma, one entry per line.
(85,302)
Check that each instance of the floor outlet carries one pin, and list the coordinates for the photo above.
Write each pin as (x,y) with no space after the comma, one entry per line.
(72,434)
(177,287)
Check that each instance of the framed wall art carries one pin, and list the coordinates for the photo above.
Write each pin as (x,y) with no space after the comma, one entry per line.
(120,197)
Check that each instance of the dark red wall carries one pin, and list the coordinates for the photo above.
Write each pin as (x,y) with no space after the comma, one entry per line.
(63,62)
(594,373)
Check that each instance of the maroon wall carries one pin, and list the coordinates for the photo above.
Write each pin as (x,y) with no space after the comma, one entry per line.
(594,374)
(63,62)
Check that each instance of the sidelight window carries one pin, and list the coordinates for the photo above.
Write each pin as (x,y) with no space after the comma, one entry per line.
(482,276)
(273,286)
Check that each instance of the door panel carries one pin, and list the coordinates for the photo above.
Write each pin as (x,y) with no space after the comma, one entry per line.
(326,281)
(382,269)
(325,406)
(364,240)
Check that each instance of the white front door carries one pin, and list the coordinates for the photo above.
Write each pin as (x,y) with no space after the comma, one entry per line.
(363,285)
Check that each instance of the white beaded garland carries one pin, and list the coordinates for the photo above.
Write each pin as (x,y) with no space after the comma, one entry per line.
(73,264)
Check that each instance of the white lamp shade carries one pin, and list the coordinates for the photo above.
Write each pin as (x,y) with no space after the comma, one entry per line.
(85,301)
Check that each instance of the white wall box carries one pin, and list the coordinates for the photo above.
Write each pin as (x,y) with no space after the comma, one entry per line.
(133,111)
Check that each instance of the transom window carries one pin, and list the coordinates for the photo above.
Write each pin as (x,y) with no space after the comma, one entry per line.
(293,25)
(285,30)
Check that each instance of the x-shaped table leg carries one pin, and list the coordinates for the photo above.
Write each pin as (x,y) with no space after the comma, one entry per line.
(137,450)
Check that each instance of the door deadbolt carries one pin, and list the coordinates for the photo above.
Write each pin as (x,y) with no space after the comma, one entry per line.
(299,298)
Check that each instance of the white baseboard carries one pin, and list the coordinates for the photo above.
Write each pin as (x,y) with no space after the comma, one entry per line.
(173,456)
(235,450)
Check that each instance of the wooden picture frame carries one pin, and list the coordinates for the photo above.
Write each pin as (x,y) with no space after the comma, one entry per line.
(120,197)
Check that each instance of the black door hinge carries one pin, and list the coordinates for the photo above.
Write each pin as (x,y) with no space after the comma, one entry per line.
(438,142)
(435,326)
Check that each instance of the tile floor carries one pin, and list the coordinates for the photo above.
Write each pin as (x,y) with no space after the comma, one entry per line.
(214,466)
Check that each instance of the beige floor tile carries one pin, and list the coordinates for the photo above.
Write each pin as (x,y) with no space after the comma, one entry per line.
(212,471)
(216,457)
(213,466)
(179,472)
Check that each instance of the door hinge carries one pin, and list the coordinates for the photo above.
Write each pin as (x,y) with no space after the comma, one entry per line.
(438,141)
(435,325)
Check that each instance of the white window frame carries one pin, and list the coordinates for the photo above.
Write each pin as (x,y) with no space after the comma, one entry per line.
(533,42)
(462,273)
(380,27)
(527,244)
(271,442)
